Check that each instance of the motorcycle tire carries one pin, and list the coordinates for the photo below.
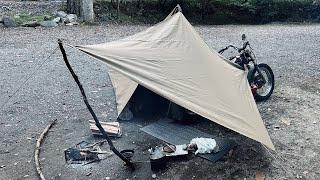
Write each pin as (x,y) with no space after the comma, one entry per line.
(269,85)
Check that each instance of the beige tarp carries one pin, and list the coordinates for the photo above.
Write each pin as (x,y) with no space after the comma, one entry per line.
(172,60)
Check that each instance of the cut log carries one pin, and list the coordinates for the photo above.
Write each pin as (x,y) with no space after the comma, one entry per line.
(115,124)
(111,128)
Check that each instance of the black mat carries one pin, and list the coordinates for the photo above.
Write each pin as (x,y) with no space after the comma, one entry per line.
(173,133)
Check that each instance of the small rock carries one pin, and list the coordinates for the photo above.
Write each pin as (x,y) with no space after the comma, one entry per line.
(154,176)
(276,127)
(108,178)
(314,122)
(298,176)
(269,109)
(2,166)
(71,24)
(48,24)
(9,22)
(61,14)
(26,176)
(286,121)
(89,173)
(1,19)
(6,8)
(305,172)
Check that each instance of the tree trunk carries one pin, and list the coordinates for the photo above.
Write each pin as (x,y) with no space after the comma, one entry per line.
(87,11)
(73,7)
(118,8)
(82,8)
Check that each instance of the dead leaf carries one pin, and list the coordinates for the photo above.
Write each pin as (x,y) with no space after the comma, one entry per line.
(286,121)
(231,153)
(260,175)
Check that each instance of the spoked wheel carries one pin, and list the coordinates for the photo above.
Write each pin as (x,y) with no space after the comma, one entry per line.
(265,88)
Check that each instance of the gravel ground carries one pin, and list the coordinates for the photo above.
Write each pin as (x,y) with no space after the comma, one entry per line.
(291,114)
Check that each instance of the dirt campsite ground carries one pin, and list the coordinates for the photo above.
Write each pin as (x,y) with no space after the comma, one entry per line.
(291,115)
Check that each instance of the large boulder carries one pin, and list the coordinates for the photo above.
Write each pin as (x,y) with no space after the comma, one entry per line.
(71,18)
(57,19)
(61,14)
(9,22)
(30,24)
(48,24)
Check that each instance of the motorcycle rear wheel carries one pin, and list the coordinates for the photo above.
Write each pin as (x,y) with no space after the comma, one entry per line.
(264,91)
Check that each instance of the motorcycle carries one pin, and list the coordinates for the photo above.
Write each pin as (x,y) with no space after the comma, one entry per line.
(260,76)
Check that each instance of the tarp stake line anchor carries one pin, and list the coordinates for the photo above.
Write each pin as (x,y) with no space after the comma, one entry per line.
(97,123)
(279,162)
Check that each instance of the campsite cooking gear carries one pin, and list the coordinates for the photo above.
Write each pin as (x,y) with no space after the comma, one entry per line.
(158,160)
(260,76)
(82,151)
(159,155)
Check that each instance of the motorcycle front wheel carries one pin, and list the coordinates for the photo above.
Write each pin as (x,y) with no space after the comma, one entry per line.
(265,89)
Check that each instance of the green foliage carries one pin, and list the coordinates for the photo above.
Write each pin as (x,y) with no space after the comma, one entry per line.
(221,11)
(26,17)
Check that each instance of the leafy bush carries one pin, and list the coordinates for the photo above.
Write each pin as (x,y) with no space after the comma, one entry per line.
(224,11)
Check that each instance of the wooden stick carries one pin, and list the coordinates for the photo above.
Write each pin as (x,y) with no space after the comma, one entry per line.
(37,150)
(95,118)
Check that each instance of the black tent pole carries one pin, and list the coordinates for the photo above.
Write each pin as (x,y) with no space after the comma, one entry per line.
(105,135)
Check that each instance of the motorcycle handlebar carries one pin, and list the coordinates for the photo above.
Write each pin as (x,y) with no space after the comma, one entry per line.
(222,50)
(239,49)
